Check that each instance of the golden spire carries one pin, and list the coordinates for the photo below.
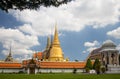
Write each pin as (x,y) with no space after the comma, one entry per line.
(56,50)
(46,51)
(48,43)
(56,39)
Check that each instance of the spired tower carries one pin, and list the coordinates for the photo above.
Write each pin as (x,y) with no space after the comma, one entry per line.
(47,49)
(55,52)
(9,57)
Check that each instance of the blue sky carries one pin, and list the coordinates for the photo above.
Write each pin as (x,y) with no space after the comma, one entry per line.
(83,25)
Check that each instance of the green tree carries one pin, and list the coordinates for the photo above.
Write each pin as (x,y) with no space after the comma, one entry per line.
(5,5)
(88,65)
(103,69)
(74,71)
(97,66)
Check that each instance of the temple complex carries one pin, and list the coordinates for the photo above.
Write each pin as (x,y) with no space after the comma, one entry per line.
(107,54)
(52,59)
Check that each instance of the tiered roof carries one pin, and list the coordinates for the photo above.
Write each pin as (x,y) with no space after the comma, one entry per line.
(38,55)
(62,65)
(10,65)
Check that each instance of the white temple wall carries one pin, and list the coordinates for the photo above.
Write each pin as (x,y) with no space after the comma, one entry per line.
(59,70)
(113,69)
(36,70)
(10,70)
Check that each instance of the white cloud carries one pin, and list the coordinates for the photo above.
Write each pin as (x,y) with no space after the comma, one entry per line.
(71,17)
(28,29)
(84,51)
(114,33)
(21,43)
(91,44)
(91,49)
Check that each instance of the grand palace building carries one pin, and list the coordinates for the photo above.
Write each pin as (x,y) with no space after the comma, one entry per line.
(52,59)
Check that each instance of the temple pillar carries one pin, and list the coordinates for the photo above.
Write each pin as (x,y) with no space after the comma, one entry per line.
(105,58)
(117,58)
(28,71)
(36,70)
(109,56)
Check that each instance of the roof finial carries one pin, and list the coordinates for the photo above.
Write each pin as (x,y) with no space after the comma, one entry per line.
(48,43)
(56,39)
(9,57)
(10,51)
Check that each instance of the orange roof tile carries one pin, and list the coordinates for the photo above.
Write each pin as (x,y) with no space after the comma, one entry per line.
(10,65)
(62,64)
(45,64)
(38,55)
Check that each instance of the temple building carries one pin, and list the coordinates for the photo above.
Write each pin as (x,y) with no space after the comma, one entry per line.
(53,50)
(9,58)
(10,65)
(108,55)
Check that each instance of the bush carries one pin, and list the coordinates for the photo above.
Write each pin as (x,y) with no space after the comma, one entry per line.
(74,71)
(87,70)
(89,64)
(21,72)
(103,69)
(97,66)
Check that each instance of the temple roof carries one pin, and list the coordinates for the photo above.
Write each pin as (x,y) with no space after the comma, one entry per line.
(45,64)
(9,58)
(38,55)
(108,43)
(48,43)
(62,64)
(10,65)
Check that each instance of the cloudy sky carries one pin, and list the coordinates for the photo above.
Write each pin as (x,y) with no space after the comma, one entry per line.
(83,26)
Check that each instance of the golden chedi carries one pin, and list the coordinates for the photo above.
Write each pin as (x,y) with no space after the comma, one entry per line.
(55,53)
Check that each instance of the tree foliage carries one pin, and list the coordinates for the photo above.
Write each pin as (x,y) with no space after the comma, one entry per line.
(5,5)
(89,64)
(97,66)
(103,69)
